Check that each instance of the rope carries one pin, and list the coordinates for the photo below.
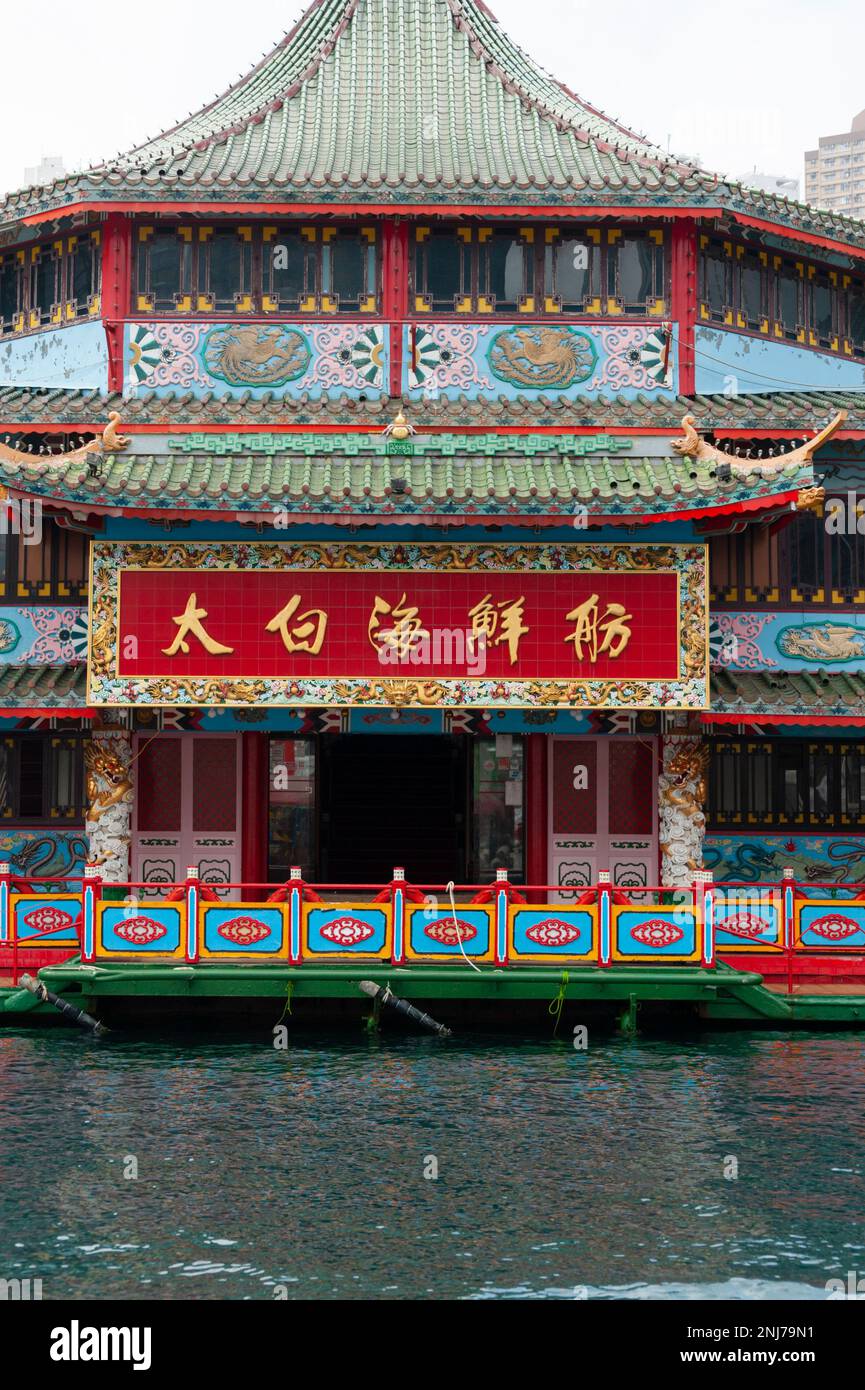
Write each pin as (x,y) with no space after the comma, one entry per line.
(289,989)
(450,892)
(557,1004)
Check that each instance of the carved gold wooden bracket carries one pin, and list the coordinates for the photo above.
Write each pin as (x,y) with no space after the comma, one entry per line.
(692,446)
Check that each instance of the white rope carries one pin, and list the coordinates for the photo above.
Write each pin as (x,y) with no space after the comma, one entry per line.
(450,892)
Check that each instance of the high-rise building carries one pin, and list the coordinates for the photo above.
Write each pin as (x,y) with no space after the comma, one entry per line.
(835,172)
(49,168)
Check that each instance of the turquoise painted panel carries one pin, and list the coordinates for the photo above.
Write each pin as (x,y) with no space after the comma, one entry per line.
(763,858)
(432,933)
(560,933)
(44,852)
(788,641)
(737,364)
(75,358)
(650,932)
(240,931)
(742,922)
(43,636)
(360,931)
(142,931)
(554,359)
(841,926)
(256,359)
(56,918)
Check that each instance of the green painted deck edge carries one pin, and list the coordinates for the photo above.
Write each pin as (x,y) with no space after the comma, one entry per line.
(718,995)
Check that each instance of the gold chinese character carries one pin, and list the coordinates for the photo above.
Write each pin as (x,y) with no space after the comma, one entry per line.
(503,622)
(613,626)
(190,621)
(297,639)
(406,633)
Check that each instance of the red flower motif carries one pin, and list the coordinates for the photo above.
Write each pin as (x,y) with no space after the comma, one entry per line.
(47,919)
(552,932)
(657,933)
(243,931)
(745,924)
(447,932)
(347,931)
(834,927)
(140,930)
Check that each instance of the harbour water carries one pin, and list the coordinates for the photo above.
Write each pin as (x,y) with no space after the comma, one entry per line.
(346,1166)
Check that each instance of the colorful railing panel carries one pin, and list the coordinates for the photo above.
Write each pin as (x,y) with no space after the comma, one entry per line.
(552,934)
(749,923)
(347,930)
(829,922)
(50,919)
(141,929)
(432,935)
(249,931)
(655,933)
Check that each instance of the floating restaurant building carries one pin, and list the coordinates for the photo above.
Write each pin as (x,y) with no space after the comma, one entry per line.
(407,464)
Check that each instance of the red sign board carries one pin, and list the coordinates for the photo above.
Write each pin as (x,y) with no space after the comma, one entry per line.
(205,623)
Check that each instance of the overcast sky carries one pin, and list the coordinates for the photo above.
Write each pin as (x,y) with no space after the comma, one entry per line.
(752,82)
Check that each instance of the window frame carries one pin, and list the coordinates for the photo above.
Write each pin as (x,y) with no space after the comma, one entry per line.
(782,755)
(66,306)
(13,743)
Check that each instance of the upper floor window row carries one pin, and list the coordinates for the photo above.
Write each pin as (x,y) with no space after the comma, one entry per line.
(539,270)
(804,563)
(297,269)
(52,283)
(781,296)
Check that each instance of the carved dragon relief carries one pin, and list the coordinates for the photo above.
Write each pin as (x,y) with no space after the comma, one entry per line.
(693,446)
(108,780)
(109,442)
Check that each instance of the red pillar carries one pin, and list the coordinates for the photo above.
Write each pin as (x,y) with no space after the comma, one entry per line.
(537,811)
(683,298)
(116,290)
(395,294)
(255,799)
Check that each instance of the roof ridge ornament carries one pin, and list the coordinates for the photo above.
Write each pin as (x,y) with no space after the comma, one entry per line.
(109,442)
(693,446)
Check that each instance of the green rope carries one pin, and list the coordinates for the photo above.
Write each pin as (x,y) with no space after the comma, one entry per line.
(287,1010)
(557,1004)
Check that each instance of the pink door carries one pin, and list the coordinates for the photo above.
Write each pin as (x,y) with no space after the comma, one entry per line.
(603,811)
(187,808)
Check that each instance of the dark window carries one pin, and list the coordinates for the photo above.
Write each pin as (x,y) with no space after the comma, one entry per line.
(572,273)
(498,826)
(292,808)
(50,565)
(812,559)
(856,318)
(10,291)
(45,294)
(716,281)
(753,292)
(785,784)
(823,309)
(288,262)
(165,269)
(789,312)
(503,270)
(635,271)
(42,777)
(225,269)
(443,270)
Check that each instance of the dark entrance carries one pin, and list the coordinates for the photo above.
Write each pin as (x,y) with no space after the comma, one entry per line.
(390,801)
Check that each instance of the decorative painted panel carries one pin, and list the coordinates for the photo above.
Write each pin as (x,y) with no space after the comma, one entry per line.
(74,358)
(375,624)
(827,922)
(745,923)
(350,930)
(552,934)
(140,929)
(644,934)
(431,934)
(465,359)
(45,852)
(43,636)
(763,858)
(32,916)
(256,931)
(233,359)
(791,641)
(738,364)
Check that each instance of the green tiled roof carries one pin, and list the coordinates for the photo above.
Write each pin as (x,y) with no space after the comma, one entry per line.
(800,412)
(356,475)
(816,693)
(43,687)
(409,101)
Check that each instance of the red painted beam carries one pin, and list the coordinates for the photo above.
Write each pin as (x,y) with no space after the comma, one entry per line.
(116,291)
(255,808)
(683,299)
(537,811)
